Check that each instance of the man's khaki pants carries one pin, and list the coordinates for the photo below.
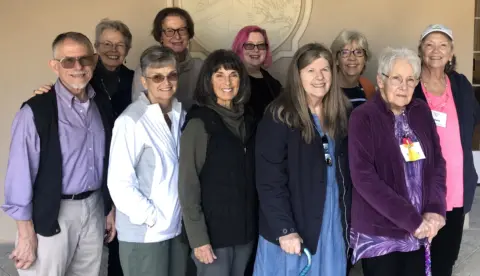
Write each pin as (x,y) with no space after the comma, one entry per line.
(77,249)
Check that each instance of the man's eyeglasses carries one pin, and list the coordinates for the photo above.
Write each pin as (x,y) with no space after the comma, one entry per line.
(398,80)
(69,62)
(345,53)
(251,46)
(159,78)
(107,45)
(171,32)
(328,157)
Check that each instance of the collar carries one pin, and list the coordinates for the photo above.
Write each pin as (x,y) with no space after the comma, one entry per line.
(176,105)
(382,105)
(67,96)
(187,64)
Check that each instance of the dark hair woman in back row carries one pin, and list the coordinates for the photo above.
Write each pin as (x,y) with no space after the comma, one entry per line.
(216,173)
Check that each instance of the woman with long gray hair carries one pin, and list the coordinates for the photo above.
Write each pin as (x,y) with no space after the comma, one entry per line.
(302,172)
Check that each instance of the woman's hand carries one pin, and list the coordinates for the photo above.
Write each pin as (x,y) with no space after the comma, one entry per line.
(423,230)
(291,243)
(436,221)
(43,89)
(205,254)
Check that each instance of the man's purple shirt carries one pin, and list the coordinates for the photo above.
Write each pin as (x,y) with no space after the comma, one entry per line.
(82,143)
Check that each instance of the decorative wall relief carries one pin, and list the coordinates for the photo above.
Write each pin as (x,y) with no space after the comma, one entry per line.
(218,21)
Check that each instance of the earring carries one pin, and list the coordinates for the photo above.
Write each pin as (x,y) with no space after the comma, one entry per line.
(125,61)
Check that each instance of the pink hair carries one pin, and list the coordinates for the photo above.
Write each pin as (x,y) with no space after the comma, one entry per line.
(242,37)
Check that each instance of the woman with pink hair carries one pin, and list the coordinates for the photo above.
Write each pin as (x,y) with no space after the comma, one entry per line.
(252,46)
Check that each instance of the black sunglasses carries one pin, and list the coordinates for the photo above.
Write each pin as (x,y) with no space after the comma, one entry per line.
(251,46)
(171,32)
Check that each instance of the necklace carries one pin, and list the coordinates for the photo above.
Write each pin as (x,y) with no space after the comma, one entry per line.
(425,83)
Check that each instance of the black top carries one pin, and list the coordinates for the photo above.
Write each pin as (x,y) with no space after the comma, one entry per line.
(263,92)
(229,199)
(291,182)
(48,183)
(117,85)
(468,111)
(356,95)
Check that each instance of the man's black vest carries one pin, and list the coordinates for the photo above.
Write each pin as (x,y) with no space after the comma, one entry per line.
(228,192)
(47,188)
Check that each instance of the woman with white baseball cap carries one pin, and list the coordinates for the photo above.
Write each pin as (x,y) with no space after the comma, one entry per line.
(456,112)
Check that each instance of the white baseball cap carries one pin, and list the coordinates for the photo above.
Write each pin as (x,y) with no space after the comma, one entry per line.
(437,28)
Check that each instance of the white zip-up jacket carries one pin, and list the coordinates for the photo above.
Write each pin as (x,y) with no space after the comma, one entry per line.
(143,172)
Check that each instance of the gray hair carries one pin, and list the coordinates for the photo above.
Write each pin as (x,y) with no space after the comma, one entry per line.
(117,25)
(389,56)
(156,57)
(75,36)
(347,37)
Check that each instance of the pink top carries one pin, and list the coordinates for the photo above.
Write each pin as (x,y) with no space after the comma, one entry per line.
(450,143)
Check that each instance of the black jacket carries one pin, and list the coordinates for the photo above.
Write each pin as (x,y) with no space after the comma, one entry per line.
(468,111)
(122,97)
(291,182)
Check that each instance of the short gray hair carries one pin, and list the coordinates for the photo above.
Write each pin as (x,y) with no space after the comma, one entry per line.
(347,37)
(75,36)
(389,56)
(117,25)
(157,56)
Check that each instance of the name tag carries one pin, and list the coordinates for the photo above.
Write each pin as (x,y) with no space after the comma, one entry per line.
(411,151)
(440,118)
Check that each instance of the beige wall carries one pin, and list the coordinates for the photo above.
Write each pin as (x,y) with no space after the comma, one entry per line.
(28,27)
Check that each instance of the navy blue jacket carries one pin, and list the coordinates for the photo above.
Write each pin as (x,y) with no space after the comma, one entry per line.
(291,183)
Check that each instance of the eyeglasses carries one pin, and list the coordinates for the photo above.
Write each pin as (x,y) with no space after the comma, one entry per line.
(345,53)
(171,32)
(69,62)
(328,157)
(159,78)
(107,45)
(398,80)
(251,46)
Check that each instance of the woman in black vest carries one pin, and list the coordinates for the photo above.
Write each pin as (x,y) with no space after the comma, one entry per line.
(216,174)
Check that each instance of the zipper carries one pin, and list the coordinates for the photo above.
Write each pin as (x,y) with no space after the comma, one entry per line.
(344,205)
(105,89)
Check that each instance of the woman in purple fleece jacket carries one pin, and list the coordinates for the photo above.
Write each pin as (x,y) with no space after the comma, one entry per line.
(398,173)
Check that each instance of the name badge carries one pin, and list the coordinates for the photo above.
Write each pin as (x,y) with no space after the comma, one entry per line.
(411,151)
(440,118)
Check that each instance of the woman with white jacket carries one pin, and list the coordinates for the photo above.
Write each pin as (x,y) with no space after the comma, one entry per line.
(143,172)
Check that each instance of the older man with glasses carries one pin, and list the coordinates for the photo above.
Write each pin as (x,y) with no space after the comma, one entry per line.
(55,187)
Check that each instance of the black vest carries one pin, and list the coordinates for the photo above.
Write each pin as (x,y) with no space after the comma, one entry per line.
(47,188)
(228,193)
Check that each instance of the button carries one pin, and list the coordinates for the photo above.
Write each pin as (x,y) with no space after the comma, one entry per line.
(81,110)
(89,148)
(292,230)
(285,231)
(91,168)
